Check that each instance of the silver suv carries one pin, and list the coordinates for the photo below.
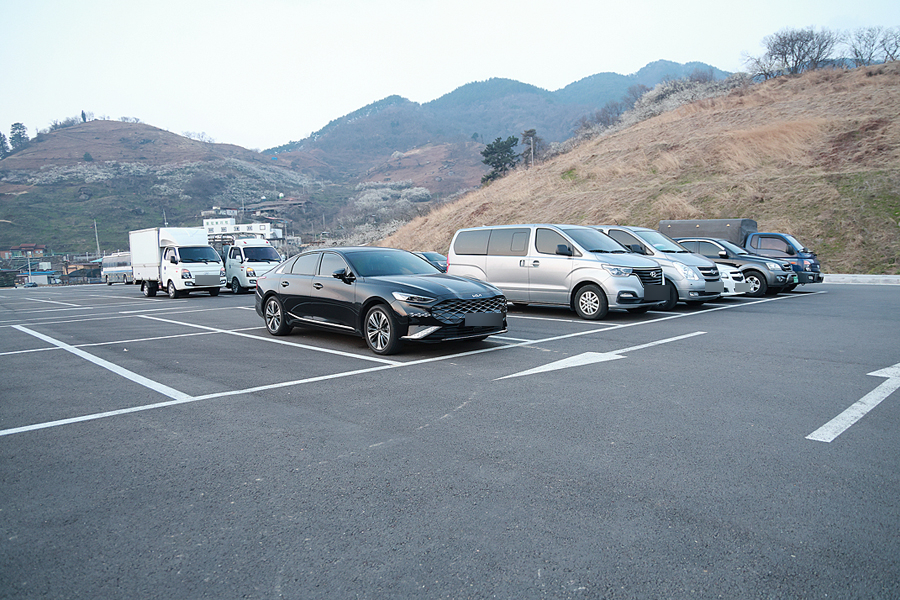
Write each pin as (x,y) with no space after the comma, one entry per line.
(567,265)
(690,278)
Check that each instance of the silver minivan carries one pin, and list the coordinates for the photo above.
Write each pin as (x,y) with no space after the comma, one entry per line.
(567,265)
(690,278)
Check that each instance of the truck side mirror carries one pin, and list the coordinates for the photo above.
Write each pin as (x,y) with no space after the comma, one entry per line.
(563,250)
(173,260)
(790,251)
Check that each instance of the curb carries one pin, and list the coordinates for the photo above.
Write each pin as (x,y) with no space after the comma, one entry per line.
(862,279)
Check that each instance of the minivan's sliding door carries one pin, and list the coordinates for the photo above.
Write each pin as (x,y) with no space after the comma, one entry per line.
(549,271)
(505,264)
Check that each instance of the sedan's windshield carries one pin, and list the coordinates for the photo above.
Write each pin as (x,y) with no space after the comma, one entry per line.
(733,248)
(198,254)
(381,263)
(261,254)
(595,241)
(661,242)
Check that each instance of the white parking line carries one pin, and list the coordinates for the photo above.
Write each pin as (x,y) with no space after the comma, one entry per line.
(53,302)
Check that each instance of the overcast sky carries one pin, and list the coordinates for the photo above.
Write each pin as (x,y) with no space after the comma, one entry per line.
(261,73)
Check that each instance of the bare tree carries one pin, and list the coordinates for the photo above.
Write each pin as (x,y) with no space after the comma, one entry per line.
(700,75)
(761,67)
(863,45)
(634,93)
(797,50)
(890,43)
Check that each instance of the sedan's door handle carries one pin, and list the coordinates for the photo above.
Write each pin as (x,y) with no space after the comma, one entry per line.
(318,286)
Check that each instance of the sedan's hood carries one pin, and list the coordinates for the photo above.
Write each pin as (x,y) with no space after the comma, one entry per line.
(439,285)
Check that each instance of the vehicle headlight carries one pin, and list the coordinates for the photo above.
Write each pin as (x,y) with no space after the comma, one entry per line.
(411,298)
(773,266)
(185,274)
(250,272)
(618,271)
(222,272)
(689,273)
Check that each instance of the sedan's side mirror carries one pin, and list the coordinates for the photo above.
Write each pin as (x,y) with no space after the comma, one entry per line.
(345,275)
(563,250)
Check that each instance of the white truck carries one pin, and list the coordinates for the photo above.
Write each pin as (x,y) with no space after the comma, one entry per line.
(245,260)
(178,260)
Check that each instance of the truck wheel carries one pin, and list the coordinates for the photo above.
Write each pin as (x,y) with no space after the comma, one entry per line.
(214,291)
(274,315)
(590,303)
(172,290)
(671,297)
(381,331)
(758,285)
(236,286)
(148,289)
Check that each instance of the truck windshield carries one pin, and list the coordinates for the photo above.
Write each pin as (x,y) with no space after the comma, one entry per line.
(733,248)
(261,254)
(661,242)
(198,254)
(595,241)
(793,242)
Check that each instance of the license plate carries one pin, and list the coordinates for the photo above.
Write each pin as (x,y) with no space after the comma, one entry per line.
(715,287)
(484,319)
(795,279)
(654,293)
(742,287)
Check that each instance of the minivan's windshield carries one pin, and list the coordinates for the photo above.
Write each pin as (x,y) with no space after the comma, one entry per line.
(595,241)
(661,242)
(261,254)
(733,248)
(198,254)
(382,263)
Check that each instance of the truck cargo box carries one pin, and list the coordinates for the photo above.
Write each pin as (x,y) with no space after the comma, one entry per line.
(733,230)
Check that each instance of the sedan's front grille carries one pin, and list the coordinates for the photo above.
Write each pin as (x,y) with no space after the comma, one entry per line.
(649,275)
(453,312)
(709,273)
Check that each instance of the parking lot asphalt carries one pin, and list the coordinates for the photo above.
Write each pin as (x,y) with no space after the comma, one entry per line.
(158,448)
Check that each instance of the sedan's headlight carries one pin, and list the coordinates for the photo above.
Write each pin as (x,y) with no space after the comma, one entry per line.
(618,271)
(773,266)
(689,273)
(411,298)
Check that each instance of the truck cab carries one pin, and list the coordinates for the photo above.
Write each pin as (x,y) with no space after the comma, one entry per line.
(245,260)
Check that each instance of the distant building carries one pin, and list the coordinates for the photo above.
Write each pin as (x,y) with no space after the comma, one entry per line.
(24,250)
(223,226)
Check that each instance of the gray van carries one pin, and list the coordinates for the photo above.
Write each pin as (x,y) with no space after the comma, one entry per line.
(567,265)
(690,278)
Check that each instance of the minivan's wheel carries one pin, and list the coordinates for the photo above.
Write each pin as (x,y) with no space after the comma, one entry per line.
(274,315)
(758,285)
(381,330)
(148,289)
(590,303)
(172,290)
(671,296)
(236,286)
(213,291)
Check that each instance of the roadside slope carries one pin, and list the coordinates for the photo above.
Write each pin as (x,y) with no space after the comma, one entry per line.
(817,156)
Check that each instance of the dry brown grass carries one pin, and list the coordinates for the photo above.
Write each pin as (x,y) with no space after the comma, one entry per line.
(817,156)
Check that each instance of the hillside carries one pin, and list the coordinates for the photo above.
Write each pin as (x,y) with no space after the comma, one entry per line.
(816,155)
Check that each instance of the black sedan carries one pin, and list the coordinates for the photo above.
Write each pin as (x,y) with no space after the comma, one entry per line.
(385,295)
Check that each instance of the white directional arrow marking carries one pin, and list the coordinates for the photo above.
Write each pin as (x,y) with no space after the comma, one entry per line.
(858,410)
(589,358)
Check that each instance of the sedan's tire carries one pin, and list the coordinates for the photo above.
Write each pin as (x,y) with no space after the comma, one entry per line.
(758,285)
(671,296)
(380,330)
(172,290)
(273,312)
(590,303)
(148,289)
(236,286)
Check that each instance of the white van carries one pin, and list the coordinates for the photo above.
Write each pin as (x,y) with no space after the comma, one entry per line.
(245,260)
(567,265)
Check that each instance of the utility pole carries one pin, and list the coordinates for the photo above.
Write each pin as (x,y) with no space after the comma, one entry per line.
(96,237)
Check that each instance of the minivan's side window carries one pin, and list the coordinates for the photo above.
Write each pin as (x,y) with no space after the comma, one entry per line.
(547,240)
(624,238)
(306,264)
(472,242)
(331,262)
(509,242)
